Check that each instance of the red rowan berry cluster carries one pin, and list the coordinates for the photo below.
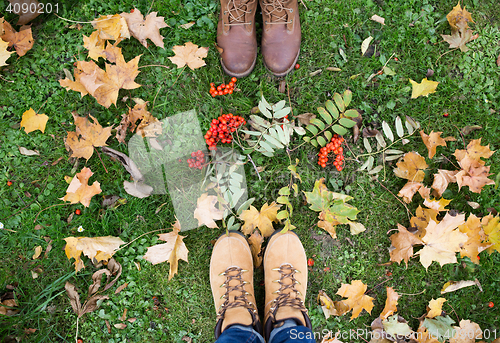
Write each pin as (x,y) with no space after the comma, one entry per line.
(197,161)
(221,129)
(334,146)
(223,89)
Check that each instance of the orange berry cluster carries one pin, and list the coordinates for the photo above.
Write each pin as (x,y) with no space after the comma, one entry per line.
(197,161)
(334,146)
(221,129)
(223,89)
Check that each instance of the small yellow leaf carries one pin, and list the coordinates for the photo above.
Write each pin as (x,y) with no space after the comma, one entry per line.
(32,121)
(435,307)
(262,220)
(423,88)
(38,251)
(356,298)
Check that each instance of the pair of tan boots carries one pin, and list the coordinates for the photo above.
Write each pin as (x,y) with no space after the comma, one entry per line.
(236,35)
(231,279)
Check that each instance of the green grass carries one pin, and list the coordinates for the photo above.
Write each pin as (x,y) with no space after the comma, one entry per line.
(469,91)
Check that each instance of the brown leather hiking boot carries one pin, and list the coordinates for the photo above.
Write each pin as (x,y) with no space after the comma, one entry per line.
(236,36)
(281,35)
(285,272)
(231,279)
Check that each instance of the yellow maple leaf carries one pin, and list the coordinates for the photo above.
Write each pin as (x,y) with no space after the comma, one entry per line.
(262,220)
(98,248)
(172,251)
(432,141)
(435,307)
(112,27)
(421,220)
(390,303)
(424,88)
(32,121)
(330,307)
(95,45)
(491,227)
(87,136)
(189,54)
(79,190)
(144,28)
(412,167)
(472,228)
(442,240)
(356,298)
(206,212)
(4,54)
(255,241)
(438,205)
(459,15)
(402,245)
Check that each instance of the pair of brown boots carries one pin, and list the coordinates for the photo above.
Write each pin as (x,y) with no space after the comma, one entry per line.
(237,37)
(231,279)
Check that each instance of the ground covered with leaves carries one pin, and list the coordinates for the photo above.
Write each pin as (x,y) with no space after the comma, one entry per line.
(388,99)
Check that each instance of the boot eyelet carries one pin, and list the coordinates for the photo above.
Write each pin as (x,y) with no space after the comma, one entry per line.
(291,10)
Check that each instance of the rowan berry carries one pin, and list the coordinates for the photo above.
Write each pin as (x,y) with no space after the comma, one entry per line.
(79,340)
(310,262)
(491,304)
(234,79)
(297,66)
(446,114)
(78,212)
(9,183)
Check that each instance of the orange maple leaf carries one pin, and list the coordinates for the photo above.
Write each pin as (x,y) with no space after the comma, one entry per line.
(412,167)
(112,27)
(95,45)
(390,303)
(402,245)
(432,141)
(421,220)
(22,40)
(142,29)
(189,54)
(435,307)
(442,179)
(87,136)
(172,251)
(473,174)
(409,190)
(32,121)
(356,298)
(79,190)
(459,15)
(149,126)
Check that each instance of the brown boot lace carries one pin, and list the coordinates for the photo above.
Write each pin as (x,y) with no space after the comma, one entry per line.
(277,11)
(290,298)
(235,273)
(237,11)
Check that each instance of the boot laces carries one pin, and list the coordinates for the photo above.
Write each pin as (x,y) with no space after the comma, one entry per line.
(232,301)
(237,11)
(288,295)
(277,11)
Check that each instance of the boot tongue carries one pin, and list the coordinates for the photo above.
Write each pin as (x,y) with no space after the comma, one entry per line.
(287,312)
(238,10)
(276,9)
(237,315)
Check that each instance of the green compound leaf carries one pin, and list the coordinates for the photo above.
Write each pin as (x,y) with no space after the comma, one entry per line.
(347,97)
(312,129)
(332,109)
(339,102)
(325,115)
(351,113)
(318,123)
(321,141)
(347,122)
(339,129)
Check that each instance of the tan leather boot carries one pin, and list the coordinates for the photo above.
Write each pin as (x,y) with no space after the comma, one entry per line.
(236,36)
(231,279)
(285,272)
(281,35)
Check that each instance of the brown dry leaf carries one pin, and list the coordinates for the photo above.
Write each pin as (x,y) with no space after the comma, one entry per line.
(424,88)
(262,220)
(4,54)
(121,288)
(472,228)
(26,16)
(467,332)
(402,245)
(8,307)
(87,136)
(442,241)
(330,307)
(187,25)
(255,241)
(32,121)
(452,286)
(412,167)
(189,54)
(142,29)
(172,251)
(378,19)
(432,141)
(356,298)
(459,38)
(149,126)
(327,225)
(22,41)
(95,45)
(329,339)
(473,174)
(120,326)
(442,179)
(98,248)
(112,27)
(435,307)
(474,151)
(458,15)
(409,190)
(305,118)
(390,303)
(421,220)
(112,53)
(206,212)
(438,205)
(79,191)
